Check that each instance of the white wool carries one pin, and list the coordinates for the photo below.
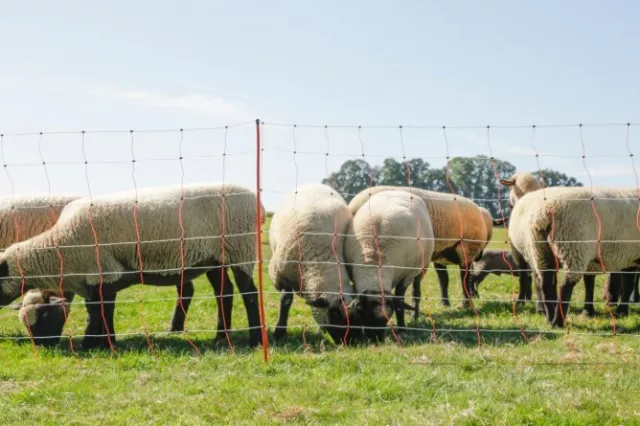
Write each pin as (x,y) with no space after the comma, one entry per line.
(447,212)
(158,218)
(33,215)
(568,212)
(28,313)
(404,243)
(309,226)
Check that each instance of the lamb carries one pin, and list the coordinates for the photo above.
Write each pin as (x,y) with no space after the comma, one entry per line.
(309,226)
(450,247)
(392,229)
(492,261)
(522,183)
(563,220)
(174,240)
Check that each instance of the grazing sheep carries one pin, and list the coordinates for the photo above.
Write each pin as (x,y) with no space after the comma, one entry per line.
(392,229)
(447,212)
(441,270)
(309,227)
(522,183)
(491,262)
(177,245)
(34,214)
(560,223)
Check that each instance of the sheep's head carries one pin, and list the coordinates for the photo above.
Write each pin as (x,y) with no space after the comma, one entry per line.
(44,316)
(367,310)
(521,183)
(8,292)
(333,318)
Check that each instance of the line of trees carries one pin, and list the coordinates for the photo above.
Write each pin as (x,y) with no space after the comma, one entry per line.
(471,177)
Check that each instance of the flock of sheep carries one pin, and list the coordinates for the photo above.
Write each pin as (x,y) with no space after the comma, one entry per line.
(351,262)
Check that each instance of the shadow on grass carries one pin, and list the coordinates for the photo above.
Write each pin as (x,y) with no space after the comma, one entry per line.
(420,332)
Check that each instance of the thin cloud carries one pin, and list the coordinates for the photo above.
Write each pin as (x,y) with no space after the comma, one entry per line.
(226,92)
(198,103)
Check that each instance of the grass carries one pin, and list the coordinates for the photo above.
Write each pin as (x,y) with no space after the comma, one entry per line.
(577,376)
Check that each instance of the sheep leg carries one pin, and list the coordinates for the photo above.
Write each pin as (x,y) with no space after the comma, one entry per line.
(636,294)
(466,294)
(443,279)
(249,292)
(589,287)
(628,283)
(417,295)
(401,289)
(223,290)
(524,278)
(476,279)
(97,333)
(612,287)
(182,306)
(549,294)
(562,305)
(286,300)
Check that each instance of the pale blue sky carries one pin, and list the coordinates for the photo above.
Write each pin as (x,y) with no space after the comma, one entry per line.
(74,65)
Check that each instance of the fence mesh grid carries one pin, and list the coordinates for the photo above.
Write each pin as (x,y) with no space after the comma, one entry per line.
(274,160)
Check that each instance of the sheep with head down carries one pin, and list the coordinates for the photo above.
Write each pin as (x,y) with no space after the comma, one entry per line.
(309,227)
(459,230)
(180,228)
(559,225)
(389,244)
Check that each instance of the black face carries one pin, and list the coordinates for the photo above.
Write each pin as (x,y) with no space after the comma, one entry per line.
(4,273)
(338,329)
(366,311)
(48,326)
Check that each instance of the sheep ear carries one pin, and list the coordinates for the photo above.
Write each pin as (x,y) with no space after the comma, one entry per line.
(508,182)
(320,302)
(354,306)
(55,300)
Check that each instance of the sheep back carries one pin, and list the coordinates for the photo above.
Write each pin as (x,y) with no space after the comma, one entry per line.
(309,226)
(449,226)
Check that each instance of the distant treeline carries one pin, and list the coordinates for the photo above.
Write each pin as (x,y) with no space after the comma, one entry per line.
(472,177)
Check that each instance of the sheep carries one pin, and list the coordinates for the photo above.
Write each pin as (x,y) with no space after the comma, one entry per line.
(441,270)
(559,223)
(491,262)
(392,229)
(180,229)
(522,183)
(309,226)
(450,247)
(22,217)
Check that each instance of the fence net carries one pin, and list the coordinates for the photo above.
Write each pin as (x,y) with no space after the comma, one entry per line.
(397,233)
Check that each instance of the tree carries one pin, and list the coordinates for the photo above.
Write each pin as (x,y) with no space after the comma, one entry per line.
(353,177)
(555,178)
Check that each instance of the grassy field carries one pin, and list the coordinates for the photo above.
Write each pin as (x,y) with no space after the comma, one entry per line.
(581,375)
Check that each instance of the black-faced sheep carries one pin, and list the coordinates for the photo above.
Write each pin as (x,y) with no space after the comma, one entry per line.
(491,262)
(389,244)
(309,227)
(183,235)
(459,230)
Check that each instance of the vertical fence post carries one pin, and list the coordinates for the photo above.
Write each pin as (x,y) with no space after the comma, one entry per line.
(265,344)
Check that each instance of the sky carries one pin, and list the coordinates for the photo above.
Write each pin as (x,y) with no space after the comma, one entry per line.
(211,68)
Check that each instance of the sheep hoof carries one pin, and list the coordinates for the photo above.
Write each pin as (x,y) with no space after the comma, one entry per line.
(590,312)
(280,334)
(622,312)
(445,302)
(557,322)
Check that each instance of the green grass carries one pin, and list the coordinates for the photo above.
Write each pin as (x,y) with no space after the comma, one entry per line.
(575,377)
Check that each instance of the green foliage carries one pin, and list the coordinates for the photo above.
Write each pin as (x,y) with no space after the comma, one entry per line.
(473,177)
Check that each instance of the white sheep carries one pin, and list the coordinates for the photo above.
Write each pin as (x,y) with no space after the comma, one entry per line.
(309,227)
(459,230)
(210,240)
(522,183)
(560,222)
(392,229)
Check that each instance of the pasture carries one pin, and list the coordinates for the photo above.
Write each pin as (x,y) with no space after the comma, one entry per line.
(579,375)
